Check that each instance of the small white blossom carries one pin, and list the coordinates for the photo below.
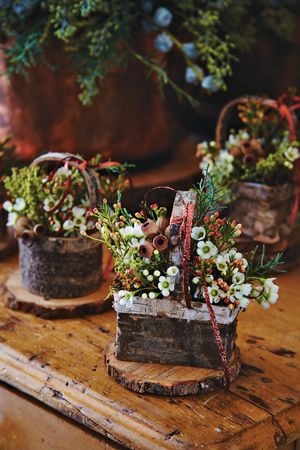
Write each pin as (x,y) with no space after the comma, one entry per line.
(152,295)
(12,219)
(146,272)
(198,233)
(8,206)
(68,202)
(291,154)
(19,204)
(68,225)
(49,203)
(270,292)
(166,285)
(209,278)
(156,273)
(144,296)
(221,264)
(265,305)
(63,171)
(206,249)
(78,212)
(214,293)
(238,278)
(244,302)
(195,280)
(125,298)
(134,231)
(172,271)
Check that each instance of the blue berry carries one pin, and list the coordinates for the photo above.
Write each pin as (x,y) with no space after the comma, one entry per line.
(209,83)
(192,75)
(190,50)
(163,43)
(163,17)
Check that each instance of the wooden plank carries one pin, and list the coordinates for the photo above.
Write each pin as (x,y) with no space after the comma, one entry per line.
(19,416)
(61,364)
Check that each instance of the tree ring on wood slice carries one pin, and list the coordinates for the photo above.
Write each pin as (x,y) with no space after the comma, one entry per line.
(168,380)
(19,298)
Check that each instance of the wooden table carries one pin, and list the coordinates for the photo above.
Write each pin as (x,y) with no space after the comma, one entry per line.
(60,363)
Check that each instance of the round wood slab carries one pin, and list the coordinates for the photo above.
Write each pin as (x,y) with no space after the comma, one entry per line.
(163,379)
(18,298)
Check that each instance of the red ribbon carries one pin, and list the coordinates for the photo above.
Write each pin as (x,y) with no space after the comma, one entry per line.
(185,238)
(218,337)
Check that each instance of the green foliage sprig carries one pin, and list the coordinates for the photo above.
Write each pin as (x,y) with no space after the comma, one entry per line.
(100,35)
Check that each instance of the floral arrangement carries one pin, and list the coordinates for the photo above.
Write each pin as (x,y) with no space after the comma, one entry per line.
(58,200)
(140,247)
(261,151)
(7,159)
(98,36)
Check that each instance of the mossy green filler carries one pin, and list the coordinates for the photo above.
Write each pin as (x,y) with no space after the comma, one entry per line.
(99,35)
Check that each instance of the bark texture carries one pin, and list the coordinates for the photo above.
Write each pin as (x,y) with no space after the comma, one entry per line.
(60,267)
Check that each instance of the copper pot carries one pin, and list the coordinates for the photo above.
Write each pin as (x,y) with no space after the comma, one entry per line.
(128,120)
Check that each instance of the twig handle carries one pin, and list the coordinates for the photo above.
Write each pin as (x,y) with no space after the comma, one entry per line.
(286,112)
(157,188)
(90,176)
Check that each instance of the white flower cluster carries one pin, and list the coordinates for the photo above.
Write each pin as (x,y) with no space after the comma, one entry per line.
(220,164)
(14,210)
(162,285)
(289,151)
(77,218)
(133,234)
(227,280)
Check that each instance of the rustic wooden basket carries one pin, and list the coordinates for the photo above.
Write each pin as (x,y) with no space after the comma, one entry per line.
(63,267)
(263,210)
(166,331)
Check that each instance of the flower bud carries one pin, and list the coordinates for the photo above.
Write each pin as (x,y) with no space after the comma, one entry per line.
(146,250)
(39,230)
(160,242)
(150,228)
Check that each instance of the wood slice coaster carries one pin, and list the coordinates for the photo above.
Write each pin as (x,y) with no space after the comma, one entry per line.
(168,380)
(18,298)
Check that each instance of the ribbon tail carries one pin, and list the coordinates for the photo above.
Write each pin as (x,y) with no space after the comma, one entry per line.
(217,335)
(185,236)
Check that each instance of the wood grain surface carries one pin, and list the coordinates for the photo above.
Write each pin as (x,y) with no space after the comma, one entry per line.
(20,299)
(165,379)
(20,415)
(61,364)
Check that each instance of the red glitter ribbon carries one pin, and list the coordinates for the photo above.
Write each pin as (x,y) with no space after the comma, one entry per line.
(185,238)
(218,337)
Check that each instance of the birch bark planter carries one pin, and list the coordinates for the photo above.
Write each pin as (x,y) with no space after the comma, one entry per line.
(263,210)
(60,267)
(166,332)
